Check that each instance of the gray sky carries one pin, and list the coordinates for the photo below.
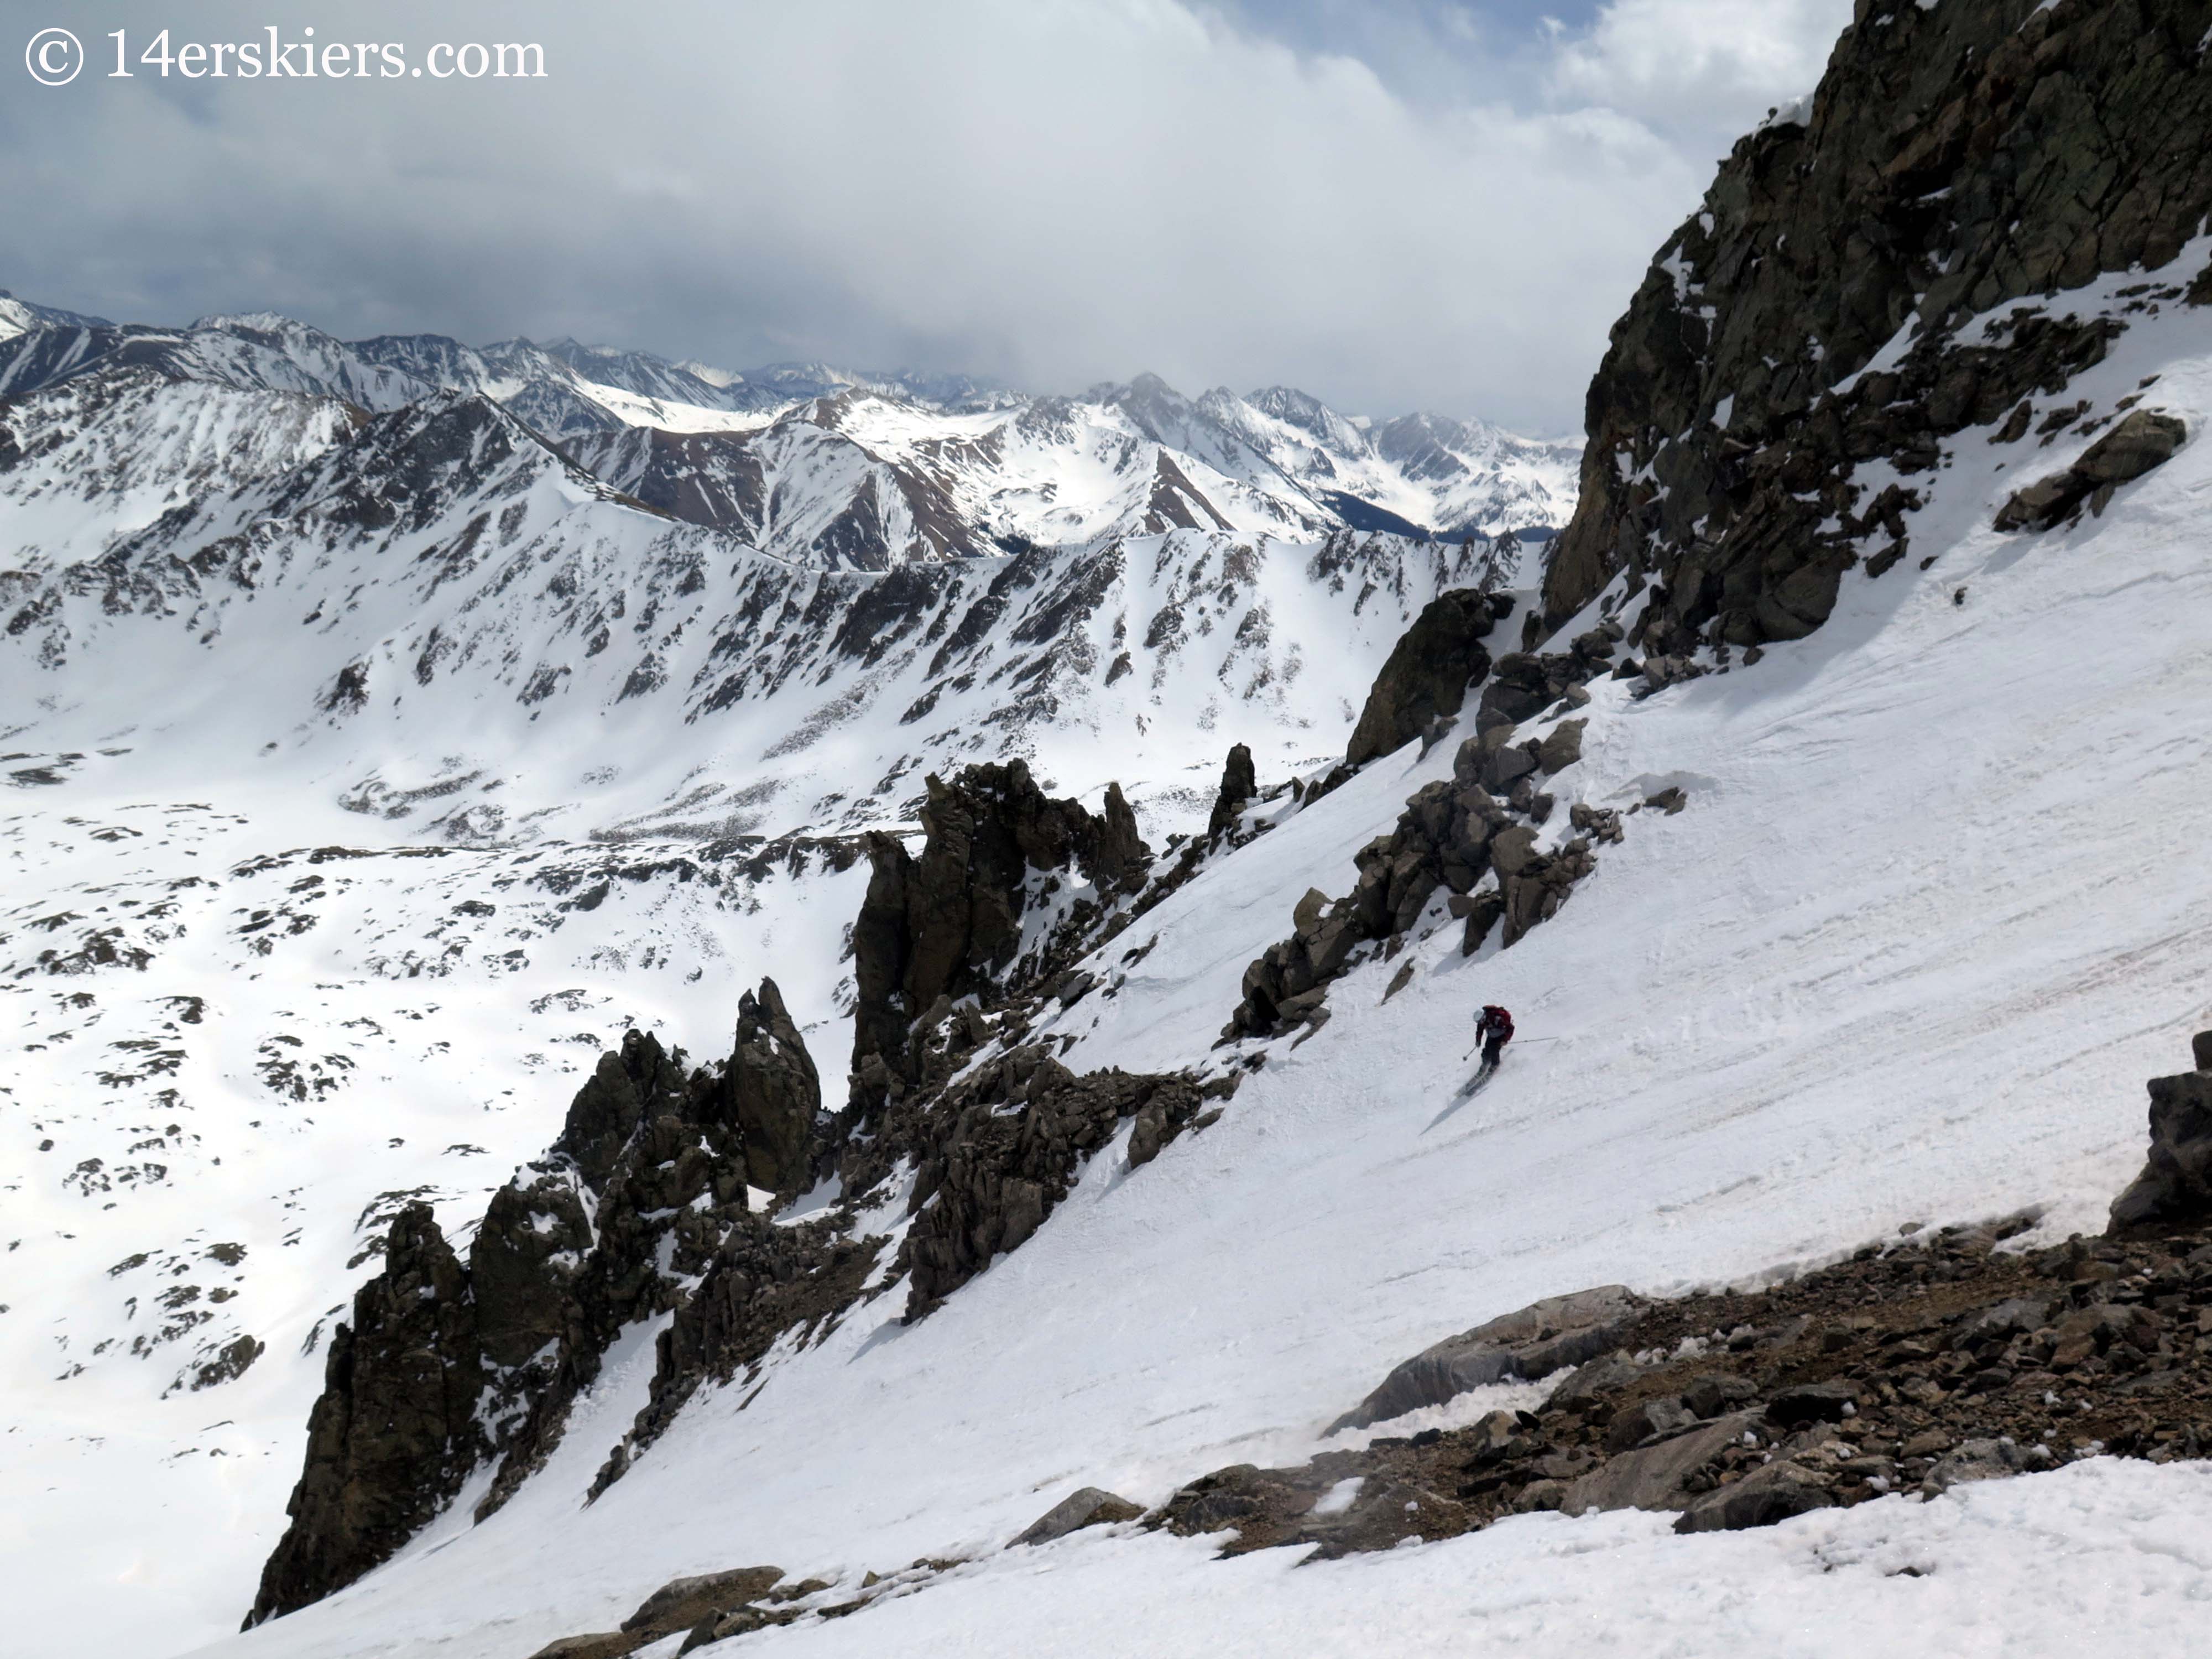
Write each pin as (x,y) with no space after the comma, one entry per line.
(1394,203)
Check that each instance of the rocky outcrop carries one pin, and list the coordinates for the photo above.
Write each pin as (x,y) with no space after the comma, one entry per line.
(1427,672)
(394,1434)
(2176,1183)
(1935,1358)
(1546,1336)
(663,1203)
(682,1603)
(1955,158)
(761,1281)
(1092,1506)
(947,924)
(998,1150)
(1452,833)
(775,1093)
(523,1264)
(1239,784)
(626,1089)
(641,1196)
(2139,443)
(639,1209)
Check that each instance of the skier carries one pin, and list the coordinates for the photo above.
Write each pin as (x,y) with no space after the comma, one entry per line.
(1493,1029)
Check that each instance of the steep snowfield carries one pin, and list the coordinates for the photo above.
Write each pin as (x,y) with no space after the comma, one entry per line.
(1930,918)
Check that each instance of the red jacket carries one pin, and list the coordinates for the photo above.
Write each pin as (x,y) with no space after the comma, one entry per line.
(1495,1022)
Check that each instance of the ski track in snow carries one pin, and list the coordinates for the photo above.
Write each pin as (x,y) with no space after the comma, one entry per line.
(1928,921)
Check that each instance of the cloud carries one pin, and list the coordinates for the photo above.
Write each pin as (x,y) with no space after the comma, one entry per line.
(1055,191)
(1698,69)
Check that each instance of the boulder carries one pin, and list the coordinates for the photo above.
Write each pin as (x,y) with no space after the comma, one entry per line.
(2144,440)
(2176,1183)
(1507,767)
(1596,822)
(1526,683)
(1483,911)
(1602,1376)
(1716,1392)
(1427,674)
(1656,1477)
(1093,1506)
(1813,1402)
(1763,1498)
(1534,893)
(681,1603)
(1984,1460)
(1147,1135)
(2088,1332)
(1652,1419)
(1468,760)
(1513,849)
(1563,747)
(1546,1336)
(2003,1319)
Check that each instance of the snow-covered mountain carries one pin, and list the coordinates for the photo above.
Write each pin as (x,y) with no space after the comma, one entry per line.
(449,760)
(864,472)
(1089,1239)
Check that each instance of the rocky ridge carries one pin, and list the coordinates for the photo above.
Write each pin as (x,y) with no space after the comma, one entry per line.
(1868,278)
(1472,838)
(446,1366)
(643,1208)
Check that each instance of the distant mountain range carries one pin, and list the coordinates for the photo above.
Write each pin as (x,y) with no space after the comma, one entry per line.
(863,470)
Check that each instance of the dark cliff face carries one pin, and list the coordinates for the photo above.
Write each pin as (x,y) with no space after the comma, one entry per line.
(1954,161)
(448,1365)
(938,927)
(394,1434)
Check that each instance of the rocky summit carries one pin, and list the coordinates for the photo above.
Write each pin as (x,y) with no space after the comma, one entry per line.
(1867,279)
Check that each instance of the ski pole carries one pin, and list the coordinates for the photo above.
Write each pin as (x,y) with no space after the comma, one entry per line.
(1471,1052)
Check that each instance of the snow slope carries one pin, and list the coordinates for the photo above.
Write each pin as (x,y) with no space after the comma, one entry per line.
(1968,1574)
(1930,918)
